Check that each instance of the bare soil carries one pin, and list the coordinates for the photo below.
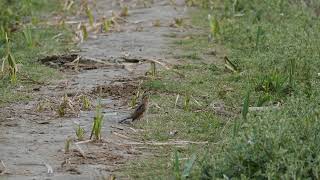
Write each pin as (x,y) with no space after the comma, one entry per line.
(33,135)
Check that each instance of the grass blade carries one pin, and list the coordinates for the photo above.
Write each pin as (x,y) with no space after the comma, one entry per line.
(245,108)
(188,166)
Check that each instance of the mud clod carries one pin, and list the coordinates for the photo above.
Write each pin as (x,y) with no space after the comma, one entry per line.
(126,89)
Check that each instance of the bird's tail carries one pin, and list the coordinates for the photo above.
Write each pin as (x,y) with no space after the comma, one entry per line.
(123,120)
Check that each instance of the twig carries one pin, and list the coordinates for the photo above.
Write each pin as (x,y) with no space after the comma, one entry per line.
(119,128)
(80,151)
(194,99)
(166,143)
(83,142)
(132,129)
(56,36)
(121,135)
(50,170)
(176,102)
(5,168)
(138,59)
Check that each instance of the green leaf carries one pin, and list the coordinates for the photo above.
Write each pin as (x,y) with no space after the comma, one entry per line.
(245,108)
(188,166)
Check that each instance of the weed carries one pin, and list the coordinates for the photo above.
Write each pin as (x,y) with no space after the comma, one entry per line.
(134,99)
(27,34)
(186,105)
(90,16)
(84,31)
(214,27)
(86,104)
(62,107)
(106,25)
(185,171)
(245,106)
(67,145)
(153,69)
(124,11)
(156,23)
(259,37)
(178,21)
(11,61)
(80,132)
(97,123)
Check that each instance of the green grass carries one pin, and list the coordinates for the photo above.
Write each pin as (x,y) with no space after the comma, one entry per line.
(30,43)
(275,46)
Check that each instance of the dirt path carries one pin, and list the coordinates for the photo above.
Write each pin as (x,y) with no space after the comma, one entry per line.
(32,134)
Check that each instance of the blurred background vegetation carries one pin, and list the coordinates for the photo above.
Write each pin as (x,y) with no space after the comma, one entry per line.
(25,36)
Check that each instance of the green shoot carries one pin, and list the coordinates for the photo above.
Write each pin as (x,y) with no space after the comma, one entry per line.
(187,102)
(11,61)
(214,26)
(85,102)
(153,69)
(176,166)
(133,101)
(67,145)
(124,11)
(106,25)
(90,16)
(156,23)
(27,34)
(97,123)
(188,166)
(178,22)
(84,32)
(80,133)
(245,106)
(62,108)
(259,37)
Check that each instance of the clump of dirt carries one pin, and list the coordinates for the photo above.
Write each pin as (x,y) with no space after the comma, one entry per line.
(75,62)
(56,61)
(119,90)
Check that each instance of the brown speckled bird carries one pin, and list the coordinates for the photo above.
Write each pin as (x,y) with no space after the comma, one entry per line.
(140,110)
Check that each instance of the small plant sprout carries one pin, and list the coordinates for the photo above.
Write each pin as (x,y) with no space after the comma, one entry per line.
(229,65)
(176,102)
(214,27)
(178,22)
(134,99)
(84,31)
(67,145)
(80,132)
(27,35)
(62,108)
(97,123)
(176,166)
(85,102)
(182,172)
(259,38)
(124,11)
(153,69)
(245,106)
(156,23)
(11,61)
(106,23)
(187,102)
(90,16)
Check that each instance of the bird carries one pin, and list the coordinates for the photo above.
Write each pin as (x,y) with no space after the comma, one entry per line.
(140,110)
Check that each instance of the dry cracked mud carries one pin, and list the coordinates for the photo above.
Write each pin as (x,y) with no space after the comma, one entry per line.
(33,135)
